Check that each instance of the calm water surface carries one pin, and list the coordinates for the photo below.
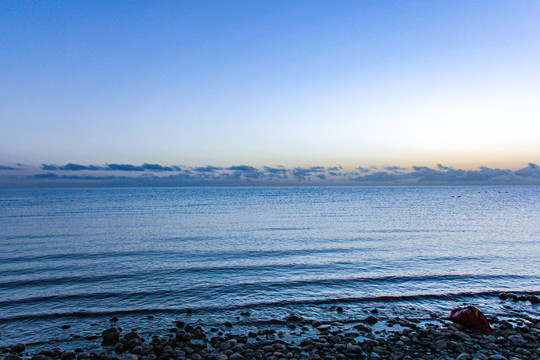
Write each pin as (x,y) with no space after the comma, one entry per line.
(81,256)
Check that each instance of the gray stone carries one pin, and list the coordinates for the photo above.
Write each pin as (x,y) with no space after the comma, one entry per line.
(441,344)
(12,357)
(17,348)
(129,357)
(110,336)
(463,356)
(517,339)
(294,318)
(354,348)
(480,356)
(497,357)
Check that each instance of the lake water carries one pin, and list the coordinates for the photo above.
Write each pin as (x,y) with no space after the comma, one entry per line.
(205,255)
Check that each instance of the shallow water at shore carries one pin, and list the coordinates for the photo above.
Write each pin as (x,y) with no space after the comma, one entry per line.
(81,256)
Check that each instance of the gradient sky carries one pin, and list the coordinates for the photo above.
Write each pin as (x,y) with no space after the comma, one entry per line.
(295,83)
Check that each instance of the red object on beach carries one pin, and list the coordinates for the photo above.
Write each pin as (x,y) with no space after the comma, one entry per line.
(472,318)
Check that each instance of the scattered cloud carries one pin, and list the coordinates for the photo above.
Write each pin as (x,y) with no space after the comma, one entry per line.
(6,167)
(125,167)
(157,167)
(46,176)
(172,175)
(394,168)
(364,170)
(207,169)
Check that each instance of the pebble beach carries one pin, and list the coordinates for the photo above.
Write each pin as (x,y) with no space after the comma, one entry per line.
(295,337)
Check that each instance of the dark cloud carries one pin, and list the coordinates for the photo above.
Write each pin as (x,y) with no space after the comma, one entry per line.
(124,167)
(246,172)
(532,171)
(276,173)
(380,177)
(49,167)
(394,168)
(447,175)
(78,167)
(46,176)
(110,167)
(363,170)
(335,168)
(158,167)
(207,169)
(159,175)
(442,167)
(5,167)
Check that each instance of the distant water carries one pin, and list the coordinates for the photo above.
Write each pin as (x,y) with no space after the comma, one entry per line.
(81,256)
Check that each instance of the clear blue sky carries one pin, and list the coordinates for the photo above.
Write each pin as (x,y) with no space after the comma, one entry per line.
(295,83)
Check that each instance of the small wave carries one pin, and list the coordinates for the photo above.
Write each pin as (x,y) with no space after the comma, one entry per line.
(458,296)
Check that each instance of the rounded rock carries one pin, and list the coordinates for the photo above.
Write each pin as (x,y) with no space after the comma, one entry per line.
(110,336)
(129,357)
(68,355)
(17,348)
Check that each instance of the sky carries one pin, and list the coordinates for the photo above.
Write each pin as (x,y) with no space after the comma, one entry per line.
(269,84)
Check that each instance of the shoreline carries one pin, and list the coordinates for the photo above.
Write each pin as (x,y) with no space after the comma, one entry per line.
(298,338)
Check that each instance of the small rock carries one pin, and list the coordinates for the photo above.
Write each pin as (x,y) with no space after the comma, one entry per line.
(131,335)
(363,328)
(371,320)
(17,348)
(463,356)
(517,340)
(180,324)
(294,318)
(375,356)
(339,309)
(245,313)
(12,357)
(236,356)
(480,356)
(228,323)
(68,355)
(66,326)
(534,299)
(503,296)
(119,348)
(114,319)
(150,316)
(39,357)
(129,357)
(110,336)
(354,348)
(497,357)
(440,344)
